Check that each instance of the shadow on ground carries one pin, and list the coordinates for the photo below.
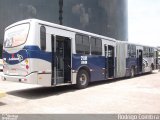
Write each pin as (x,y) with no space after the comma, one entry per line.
(42,92)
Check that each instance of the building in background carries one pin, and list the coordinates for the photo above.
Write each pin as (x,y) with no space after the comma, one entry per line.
(104,17)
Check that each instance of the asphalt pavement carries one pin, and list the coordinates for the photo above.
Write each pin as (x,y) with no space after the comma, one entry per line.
(130,95)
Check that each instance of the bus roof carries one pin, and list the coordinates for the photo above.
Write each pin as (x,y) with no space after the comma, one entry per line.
(72,30)
(130,43)
(61,27)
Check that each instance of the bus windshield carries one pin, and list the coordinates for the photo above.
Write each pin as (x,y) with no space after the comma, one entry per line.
(16,36)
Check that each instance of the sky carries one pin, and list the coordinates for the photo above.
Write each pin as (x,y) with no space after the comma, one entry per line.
(144,22)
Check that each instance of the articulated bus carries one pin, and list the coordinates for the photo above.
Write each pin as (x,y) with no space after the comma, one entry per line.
(48,54)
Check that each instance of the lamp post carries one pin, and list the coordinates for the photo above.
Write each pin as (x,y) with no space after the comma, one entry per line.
(61,12)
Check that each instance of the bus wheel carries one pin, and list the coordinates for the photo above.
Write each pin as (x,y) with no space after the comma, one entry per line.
(82,79)
(132,72)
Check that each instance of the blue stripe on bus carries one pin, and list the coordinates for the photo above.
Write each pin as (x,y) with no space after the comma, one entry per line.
(15,58)
(27,52)
(32,48)
(36,52)
(131,62)
(94,63)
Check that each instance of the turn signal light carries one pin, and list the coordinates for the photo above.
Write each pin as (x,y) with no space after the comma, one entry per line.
(26,61)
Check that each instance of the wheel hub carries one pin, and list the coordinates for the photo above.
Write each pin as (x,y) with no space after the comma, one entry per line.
(83,79)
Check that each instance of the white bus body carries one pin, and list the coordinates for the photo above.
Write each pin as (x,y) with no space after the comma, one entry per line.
(48,54)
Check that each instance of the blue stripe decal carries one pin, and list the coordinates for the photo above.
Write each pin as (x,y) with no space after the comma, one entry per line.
(27,52)
(32,48)
(96,63)
(36,52)
(131,62)
(15,58)
(47,56)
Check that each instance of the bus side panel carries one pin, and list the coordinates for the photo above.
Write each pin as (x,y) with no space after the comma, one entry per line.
(95,64)
(121,60)
(147,63)
(14,62)
(130,62)
(41,64)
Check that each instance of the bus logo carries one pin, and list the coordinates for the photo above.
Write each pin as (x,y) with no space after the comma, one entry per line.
(19,58)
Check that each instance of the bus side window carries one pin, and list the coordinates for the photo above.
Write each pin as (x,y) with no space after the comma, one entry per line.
(86,45)
(43,37)
(96,46)
(99,46)
(82,44)
(79,44)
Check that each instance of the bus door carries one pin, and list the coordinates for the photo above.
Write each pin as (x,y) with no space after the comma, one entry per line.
(106,60)
(139,60)
(61,60)
(110,61)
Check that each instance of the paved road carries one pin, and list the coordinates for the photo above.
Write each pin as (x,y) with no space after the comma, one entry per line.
(136,95)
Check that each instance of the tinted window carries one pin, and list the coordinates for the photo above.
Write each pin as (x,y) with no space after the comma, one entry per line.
(99,46)
(96,46)
(82,44)
(86,44)
(79,39)
(43,37)
(146,52)
(131,51)
(151,52)
(93,43)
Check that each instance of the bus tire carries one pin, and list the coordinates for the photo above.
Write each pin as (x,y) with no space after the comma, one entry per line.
(132,72)
(82,79)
